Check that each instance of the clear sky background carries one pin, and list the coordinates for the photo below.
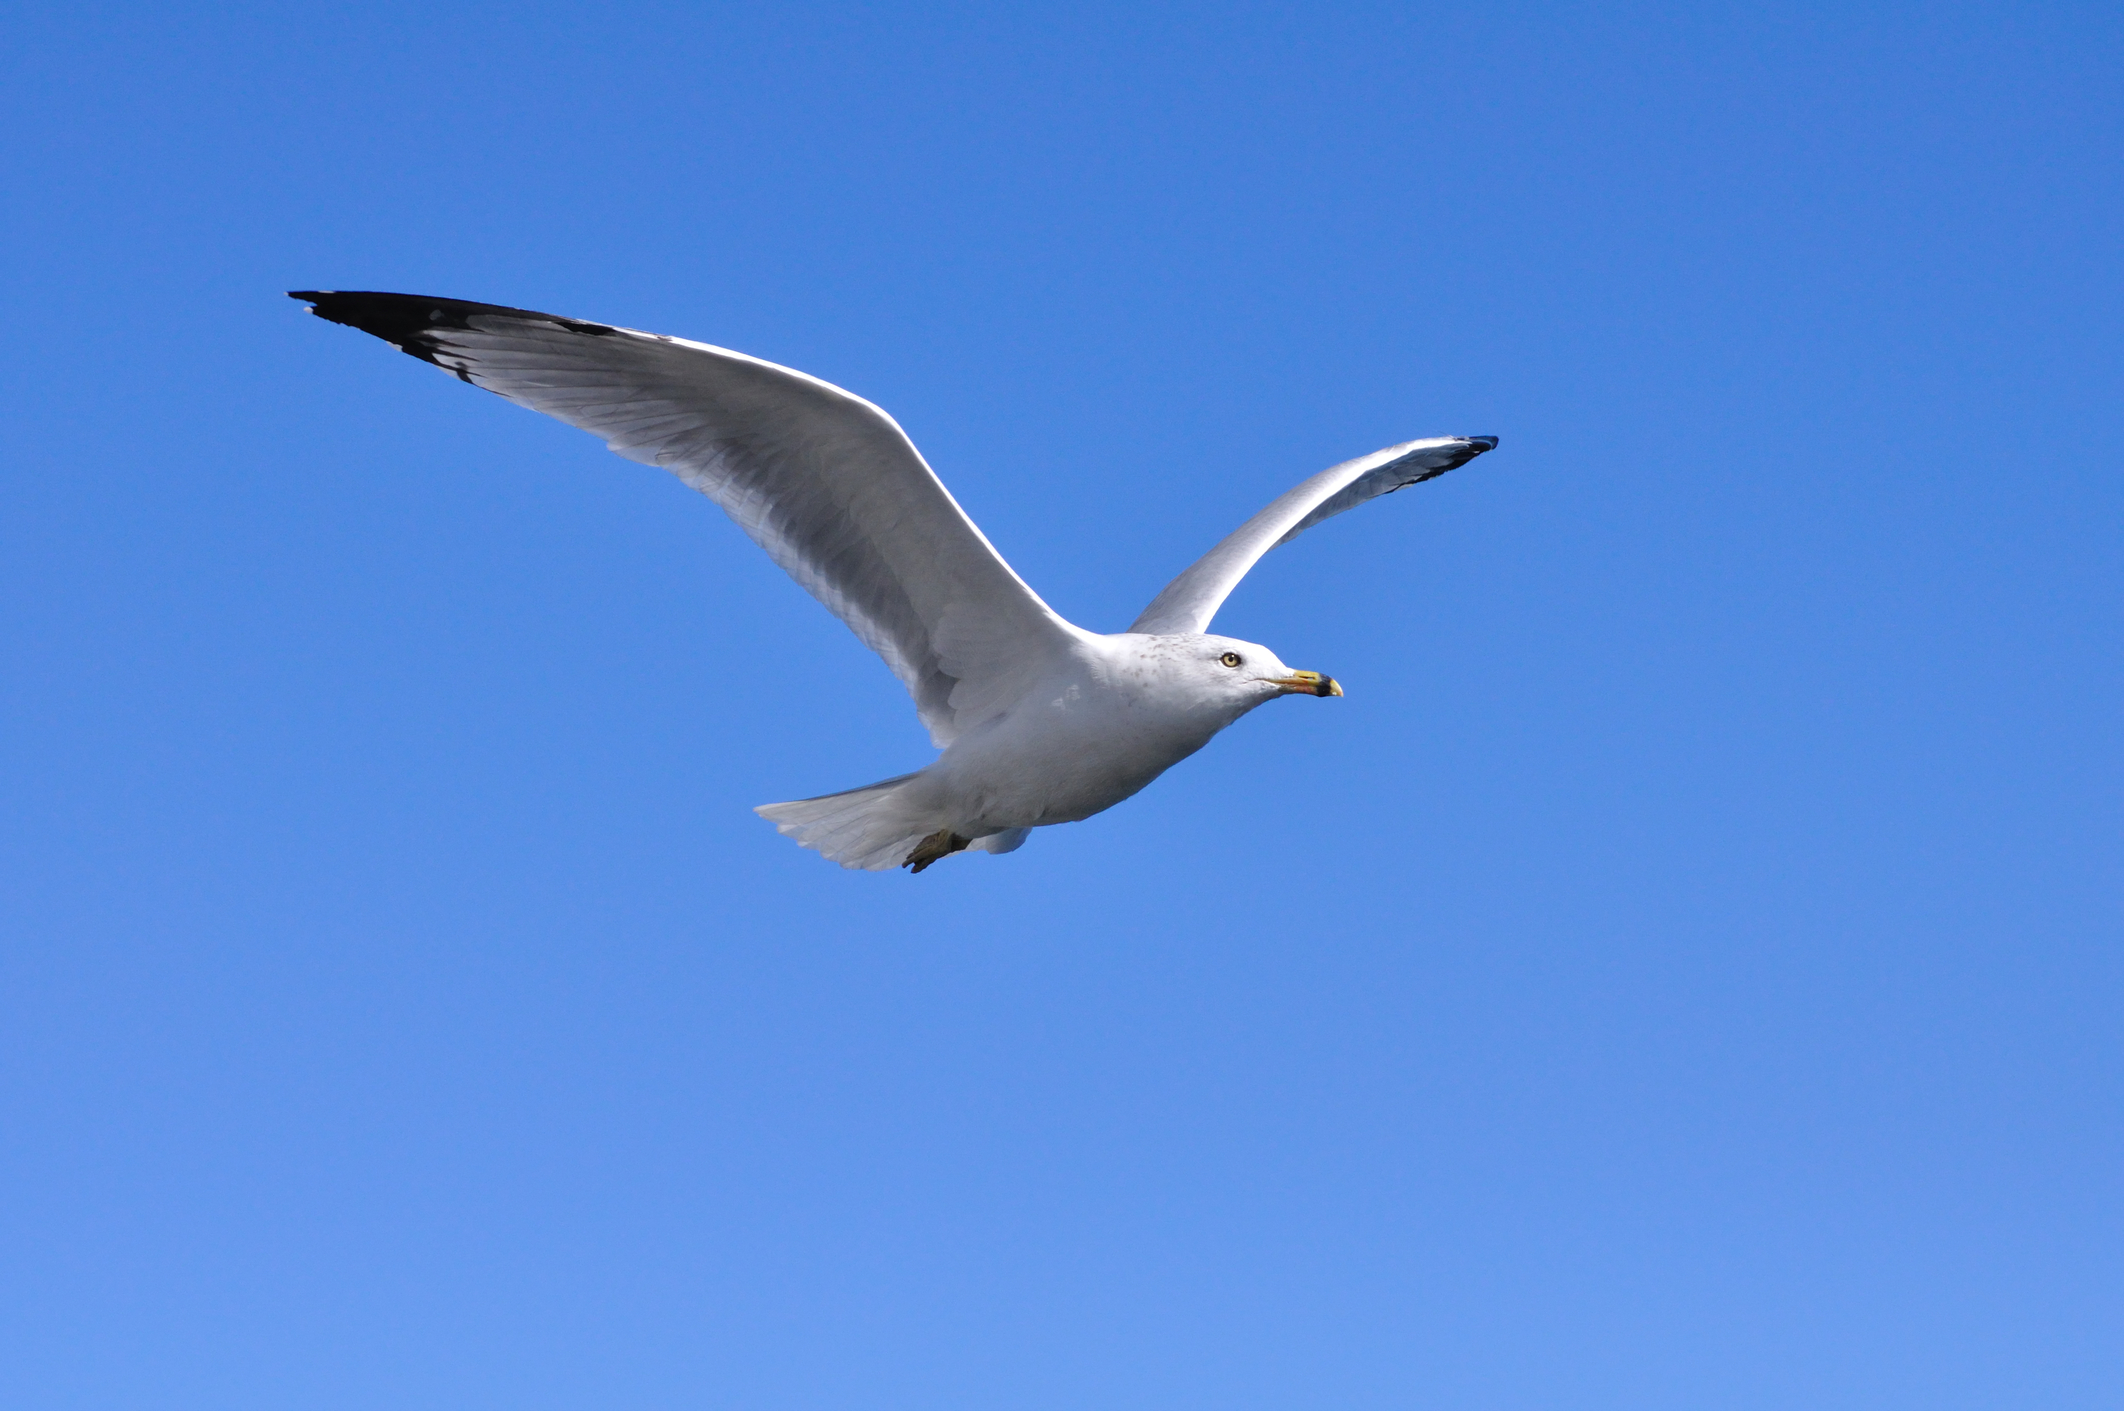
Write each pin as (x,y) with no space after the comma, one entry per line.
(1684,971)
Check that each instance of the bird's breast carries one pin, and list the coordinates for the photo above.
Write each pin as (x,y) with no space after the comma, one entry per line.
(1063,753)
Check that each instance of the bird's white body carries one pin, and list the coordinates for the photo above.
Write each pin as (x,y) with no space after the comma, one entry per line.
(1116,712)
(1040,721)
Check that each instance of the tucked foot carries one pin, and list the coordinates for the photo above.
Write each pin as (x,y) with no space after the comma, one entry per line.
(940,844)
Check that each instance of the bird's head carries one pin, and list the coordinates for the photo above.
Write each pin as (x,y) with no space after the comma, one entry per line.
(1223,675)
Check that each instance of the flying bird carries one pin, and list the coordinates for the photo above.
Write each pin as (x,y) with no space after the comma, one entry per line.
(1040,721)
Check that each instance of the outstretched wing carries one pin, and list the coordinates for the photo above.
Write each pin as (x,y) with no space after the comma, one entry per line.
(1191,600)
(822,480)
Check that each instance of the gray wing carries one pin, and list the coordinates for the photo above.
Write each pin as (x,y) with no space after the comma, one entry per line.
(825,482)
(1191,600)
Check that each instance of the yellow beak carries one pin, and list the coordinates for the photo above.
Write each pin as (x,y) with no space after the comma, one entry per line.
(1310,683)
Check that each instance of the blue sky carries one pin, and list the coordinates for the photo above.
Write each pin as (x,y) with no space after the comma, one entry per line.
(1683,972)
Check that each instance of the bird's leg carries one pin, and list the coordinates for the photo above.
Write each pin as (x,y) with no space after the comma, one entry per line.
(942,843)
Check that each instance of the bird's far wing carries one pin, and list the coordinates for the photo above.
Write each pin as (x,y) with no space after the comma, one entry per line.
(825,482)
(1191,600)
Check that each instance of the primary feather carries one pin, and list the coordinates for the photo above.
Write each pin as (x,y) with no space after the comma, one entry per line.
(825,482)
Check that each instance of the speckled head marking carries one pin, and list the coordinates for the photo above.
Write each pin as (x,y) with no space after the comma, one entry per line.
(1219,674)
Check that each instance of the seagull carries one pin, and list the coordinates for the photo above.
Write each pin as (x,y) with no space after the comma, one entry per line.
(1040,721)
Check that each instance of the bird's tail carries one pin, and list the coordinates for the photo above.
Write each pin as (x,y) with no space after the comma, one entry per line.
(870,828)
(865,828)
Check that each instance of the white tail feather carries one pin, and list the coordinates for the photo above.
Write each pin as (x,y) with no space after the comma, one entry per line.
(869,828)
(861,828)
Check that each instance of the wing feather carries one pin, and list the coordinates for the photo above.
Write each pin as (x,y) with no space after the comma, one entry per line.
(1189,602)
(824,481)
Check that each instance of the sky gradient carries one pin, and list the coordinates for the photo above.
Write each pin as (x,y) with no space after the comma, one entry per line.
(1683,972)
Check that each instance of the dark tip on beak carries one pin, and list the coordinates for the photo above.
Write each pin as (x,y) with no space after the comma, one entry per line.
(1309,683)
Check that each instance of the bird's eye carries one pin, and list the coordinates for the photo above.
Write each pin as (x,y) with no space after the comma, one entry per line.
(1230,658)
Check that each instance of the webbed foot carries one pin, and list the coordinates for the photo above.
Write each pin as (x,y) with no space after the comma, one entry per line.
(940,844)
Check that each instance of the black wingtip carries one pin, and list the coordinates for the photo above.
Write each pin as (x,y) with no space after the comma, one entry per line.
(411,323)
(1470,448)
(397,318)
